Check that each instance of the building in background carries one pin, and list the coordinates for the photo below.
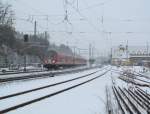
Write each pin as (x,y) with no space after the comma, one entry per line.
(131,55)
(120,56)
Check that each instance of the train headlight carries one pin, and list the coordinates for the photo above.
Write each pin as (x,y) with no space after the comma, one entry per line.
(53,61)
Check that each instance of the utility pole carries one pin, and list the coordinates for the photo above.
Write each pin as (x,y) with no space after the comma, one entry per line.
(46,35)
(90,52)
(147,48)
(93,54)
(35,29)
(111,54)
(127,53)
(25,59)
(74,54)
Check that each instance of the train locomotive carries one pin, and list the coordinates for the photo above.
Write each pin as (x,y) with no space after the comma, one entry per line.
(59,60)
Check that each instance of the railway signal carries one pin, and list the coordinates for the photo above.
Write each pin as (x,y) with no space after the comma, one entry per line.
(26,38)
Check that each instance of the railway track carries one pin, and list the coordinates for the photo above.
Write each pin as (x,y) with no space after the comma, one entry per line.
(118,101)
(132,73)
(131,102)
(132,78)
(21,72)
(144,93)
(76,82)
(136,74)
(35,76)
(26,72)
(43,87)
(123,101)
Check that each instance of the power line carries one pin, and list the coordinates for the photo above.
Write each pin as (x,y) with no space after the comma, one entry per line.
(86,19)
(128,20)
(65,20)
(41,14)
(95,5)
(33,9)
(31,22)
(129,32)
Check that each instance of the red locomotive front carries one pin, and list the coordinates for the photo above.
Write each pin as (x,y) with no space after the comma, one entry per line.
(56,60)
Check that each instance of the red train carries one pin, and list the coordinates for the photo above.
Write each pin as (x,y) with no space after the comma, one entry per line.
(57,60)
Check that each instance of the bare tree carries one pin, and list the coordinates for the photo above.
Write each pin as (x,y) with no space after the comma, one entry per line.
(6,14)
(7,32)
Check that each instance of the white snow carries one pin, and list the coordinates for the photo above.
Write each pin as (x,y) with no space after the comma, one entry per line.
(86,99)
(2,76)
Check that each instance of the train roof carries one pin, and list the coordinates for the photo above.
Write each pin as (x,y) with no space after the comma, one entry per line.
(54,51)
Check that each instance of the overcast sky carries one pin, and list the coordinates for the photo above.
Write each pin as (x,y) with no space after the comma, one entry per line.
(102,23)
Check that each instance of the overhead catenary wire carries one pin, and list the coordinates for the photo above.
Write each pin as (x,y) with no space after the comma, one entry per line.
(86,19)
(95,5)
(78,10)
(31,22)
(26,4)
(39,13)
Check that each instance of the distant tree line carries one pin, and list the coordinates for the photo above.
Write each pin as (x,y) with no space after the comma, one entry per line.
(37,45)
(6,14)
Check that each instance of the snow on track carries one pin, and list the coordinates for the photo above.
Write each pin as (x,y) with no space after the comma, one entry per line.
(89,98)
(41,93)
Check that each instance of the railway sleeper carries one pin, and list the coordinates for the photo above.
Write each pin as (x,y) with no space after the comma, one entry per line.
(144,93)
(131,103)
(146,102)
(125,104)
(133,97)
(119,103)
(142,96)
(139,98)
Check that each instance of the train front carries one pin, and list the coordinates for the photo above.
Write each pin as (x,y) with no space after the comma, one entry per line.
(50,60)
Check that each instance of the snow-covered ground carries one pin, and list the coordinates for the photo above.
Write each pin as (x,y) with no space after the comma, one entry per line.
(3,76)
(89,98)
(78,100)
(134,83)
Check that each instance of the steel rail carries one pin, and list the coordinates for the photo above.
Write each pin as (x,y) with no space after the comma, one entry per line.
(49,95)
(119,103)
(125,104)
(131,103)
(43,87)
